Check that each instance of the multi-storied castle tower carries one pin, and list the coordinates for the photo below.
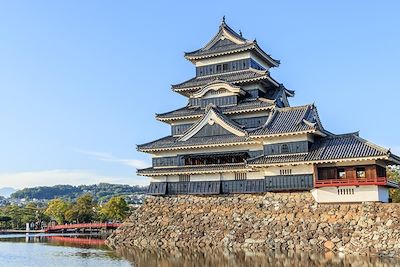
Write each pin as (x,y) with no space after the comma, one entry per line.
(238,134)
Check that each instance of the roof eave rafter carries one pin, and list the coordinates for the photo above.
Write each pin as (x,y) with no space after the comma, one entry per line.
(318,161)
(171,119)
(149,150)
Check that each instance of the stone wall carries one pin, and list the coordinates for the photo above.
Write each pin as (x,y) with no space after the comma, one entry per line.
(284,221)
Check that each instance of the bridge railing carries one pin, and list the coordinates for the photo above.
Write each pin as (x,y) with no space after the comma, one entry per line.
(81,226)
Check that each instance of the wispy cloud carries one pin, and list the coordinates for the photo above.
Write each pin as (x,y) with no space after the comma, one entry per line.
(53,177)
(108,157)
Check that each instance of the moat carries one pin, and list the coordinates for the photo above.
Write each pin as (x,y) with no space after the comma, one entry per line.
(19,250)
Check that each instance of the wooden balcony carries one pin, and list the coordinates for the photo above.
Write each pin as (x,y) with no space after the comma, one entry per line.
(356,182)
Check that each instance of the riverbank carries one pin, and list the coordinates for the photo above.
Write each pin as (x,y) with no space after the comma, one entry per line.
(272,221)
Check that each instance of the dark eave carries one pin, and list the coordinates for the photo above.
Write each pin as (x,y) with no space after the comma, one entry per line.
(172,142)
(195,112)
(290,120)
(212,168)
(234,77)
(326,149)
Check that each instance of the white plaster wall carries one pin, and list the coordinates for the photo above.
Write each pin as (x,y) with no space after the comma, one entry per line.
(156,179)
(361,193)
(205,177)
(172,178)
(298,169)
(255,175)
(290,138)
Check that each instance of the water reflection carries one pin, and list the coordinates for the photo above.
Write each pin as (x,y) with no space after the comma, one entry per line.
(70,250)
(142,258)
(78,250)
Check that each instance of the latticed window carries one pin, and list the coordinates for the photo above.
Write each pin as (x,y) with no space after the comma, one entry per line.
(284,149)
(285,172)
(240,176)
(184,178)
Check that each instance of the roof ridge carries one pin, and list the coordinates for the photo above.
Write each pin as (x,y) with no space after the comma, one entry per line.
(217,75)
(304,115)
(293,107)
(343,135)
(271,118)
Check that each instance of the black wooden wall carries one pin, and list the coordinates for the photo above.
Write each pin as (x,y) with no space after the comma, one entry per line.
(278,183)
(286,148)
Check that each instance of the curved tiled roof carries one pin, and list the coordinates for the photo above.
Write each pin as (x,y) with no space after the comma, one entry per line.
(227,47)
(220,45)
(344,147)
(276,159)
(171,142)
(290,120)
(336,147)
(189,169)
(243,106)
(231,77)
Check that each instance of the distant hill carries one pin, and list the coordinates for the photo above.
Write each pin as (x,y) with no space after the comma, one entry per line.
(101,192)
(7,191)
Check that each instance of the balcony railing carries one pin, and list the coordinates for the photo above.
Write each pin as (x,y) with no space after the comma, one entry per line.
(355,182)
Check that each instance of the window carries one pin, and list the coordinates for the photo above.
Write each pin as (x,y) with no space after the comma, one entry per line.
(219,68)
(345,191)
(341,173)
(285,172)
(225,67)
(240,176)
(360,172)
(284,149)
(184,178)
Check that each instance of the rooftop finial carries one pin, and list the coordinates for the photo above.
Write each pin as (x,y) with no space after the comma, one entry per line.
(223,19)
(240,33)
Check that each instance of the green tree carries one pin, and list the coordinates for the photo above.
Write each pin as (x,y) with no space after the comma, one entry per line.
(56,210)
(394,175)
(115,209)
(84,210)
(5,222)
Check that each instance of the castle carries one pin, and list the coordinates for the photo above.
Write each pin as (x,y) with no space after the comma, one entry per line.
(238,134)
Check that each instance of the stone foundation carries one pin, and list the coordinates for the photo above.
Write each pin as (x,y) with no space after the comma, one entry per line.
(284,221)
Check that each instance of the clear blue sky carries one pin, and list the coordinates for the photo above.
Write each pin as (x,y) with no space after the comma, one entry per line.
(80,81)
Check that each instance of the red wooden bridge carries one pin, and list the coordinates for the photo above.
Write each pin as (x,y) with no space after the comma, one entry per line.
(81,226)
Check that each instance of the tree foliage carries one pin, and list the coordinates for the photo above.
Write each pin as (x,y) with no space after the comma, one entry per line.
(83,210)
(56,210)
(101,192)
(394,175)
(115,209)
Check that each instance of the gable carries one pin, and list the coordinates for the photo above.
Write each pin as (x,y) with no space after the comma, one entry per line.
(213,123)
(212,130)
(222,43)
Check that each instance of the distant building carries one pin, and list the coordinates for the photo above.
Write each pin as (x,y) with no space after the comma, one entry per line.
(238,134)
